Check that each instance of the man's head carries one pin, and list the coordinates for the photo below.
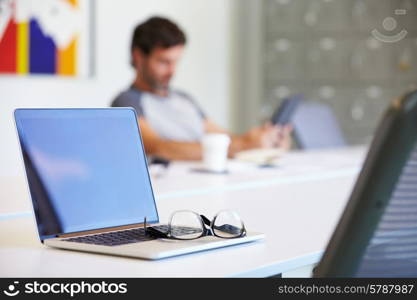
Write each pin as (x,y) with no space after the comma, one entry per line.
(157,45)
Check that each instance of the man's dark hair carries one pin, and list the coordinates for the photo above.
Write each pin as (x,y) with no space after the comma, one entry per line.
(157,32)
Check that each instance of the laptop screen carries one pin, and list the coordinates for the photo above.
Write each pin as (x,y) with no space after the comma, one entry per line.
(86,169)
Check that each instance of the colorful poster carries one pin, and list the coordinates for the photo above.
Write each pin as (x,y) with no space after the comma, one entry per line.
(45,37)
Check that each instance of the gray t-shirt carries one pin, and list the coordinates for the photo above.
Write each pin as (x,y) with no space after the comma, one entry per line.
(176,117)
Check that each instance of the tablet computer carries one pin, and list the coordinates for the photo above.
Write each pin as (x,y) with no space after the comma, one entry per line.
(285,111)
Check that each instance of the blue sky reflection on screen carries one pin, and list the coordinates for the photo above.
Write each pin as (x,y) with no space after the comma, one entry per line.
(91,164)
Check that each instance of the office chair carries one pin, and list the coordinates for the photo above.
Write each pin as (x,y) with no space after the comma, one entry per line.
(377,233)
(316,127)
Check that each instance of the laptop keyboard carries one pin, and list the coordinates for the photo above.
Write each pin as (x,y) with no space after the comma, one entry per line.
(117,238)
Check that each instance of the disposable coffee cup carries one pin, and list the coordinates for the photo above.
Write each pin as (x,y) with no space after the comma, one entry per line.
(215,150)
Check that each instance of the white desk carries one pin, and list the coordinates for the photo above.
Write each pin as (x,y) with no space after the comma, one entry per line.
(297,205)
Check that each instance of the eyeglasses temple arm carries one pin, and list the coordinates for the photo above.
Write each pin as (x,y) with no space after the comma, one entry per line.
(155,233)
(226,227)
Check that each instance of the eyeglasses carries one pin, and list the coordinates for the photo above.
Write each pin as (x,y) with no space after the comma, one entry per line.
(188,225)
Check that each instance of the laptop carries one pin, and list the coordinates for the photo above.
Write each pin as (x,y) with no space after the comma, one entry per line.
(90,187)
(377,233)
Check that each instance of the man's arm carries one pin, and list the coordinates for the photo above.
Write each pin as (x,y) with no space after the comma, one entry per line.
(171,150)
(259,137)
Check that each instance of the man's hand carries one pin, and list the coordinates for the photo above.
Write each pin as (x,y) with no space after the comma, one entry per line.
(285,140)
(268,136)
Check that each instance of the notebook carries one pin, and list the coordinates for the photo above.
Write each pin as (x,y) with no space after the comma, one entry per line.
(90,187)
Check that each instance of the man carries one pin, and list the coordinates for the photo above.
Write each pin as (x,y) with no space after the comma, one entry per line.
(172,123)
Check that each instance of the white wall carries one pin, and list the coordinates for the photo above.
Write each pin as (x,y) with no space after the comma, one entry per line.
(204,71)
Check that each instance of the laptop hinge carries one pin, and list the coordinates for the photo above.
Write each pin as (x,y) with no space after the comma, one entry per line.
(95,231)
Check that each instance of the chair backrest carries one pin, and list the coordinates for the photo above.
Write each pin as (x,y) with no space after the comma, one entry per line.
(316,127)
(377,233)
